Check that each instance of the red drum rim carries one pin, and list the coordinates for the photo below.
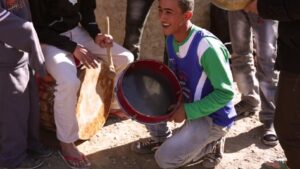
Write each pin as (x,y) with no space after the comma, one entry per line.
(157,67)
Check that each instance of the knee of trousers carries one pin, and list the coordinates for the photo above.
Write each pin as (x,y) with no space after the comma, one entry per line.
(122,61)
(127,57)
(71,84)
(167,159)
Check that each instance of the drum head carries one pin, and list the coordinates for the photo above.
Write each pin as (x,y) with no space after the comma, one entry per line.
(149,91)
(93,103)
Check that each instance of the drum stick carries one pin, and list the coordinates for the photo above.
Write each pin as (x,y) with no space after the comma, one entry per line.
(108,51)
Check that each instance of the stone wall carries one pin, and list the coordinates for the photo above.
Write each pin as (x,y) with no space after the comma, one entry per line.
(153,39)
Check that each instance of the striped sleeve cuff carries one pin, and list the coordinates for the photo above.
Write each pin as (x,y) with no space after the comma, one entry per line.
(4,14)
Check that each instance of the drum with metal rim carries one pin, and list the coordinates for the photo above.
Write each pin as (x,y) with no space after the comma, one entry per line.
(149,91)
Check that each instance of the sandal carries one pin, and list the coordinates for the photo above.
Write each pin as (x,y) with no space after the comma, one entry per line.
(275,165)
(270,138)
(76,162)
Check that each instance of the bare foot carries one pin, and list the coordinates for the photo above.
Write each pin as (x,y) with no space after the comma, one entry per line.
(73,157)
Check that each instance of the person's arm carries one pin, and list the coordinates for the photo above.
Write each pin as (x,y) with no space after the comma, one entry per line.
(216,66)
(16,31)
(20,34)
(46,35)
(51,37)
(88,20)
(281,10)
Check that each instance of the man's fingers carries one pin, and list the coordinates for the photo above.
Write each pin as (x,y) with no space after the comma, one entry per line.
(171,119)
(88,59)
(86,64)
(172,107)
(94,57)
(91,60)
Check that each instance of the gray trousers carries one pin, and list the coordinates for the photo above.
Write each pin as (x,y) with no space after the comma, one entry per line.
(191,142)
(19,122)
(256,79)
(137,12)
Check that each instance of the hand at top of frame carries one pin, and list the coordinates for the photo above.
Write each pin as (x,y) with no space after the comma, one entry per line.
(252,7)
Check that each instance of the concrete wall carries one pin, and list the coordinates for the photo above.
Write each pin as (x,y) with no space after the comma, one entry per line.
(153,39)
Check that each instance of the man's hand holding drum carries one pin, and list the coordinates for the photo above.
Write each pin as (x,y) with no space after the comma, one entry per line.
(179,115)
(84,56)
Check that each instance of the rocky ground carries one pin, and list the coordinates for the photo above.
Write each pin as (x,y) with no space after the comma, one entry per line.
(110,147)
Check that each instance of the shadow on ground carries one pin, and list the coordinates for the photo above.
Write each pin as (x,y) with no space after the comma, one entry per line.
(121,157)
(245,140)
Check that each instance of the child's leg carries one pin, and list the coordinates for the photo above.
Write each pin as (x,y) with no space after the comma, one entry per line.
(159,132)
(189,144)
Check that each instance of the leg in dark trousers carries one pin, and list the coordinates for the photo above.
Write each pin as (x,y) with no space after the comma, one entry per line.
(14,103)
(287,117)
(34,115)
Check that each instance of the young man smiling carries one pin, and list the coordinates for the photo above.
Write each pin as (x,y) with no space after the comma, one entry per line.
(200,61)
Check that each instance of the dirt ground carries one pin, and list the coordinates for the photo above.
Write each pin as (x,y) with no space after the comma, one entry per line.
(110,147)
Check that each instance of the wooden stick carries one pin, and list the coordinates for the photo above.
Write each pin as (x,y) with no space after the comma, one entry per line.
(108,50)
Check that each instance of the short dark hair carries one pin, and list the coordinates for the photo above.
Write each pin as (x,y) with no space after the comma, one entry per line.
(186,5)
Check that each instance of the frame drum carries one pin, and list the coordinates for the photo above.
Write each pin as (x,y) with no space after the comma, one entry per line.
(149,91)
(94,100)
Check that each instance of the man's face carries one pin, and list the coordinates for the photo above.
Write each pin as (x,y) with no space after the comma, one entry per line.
(171,17)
